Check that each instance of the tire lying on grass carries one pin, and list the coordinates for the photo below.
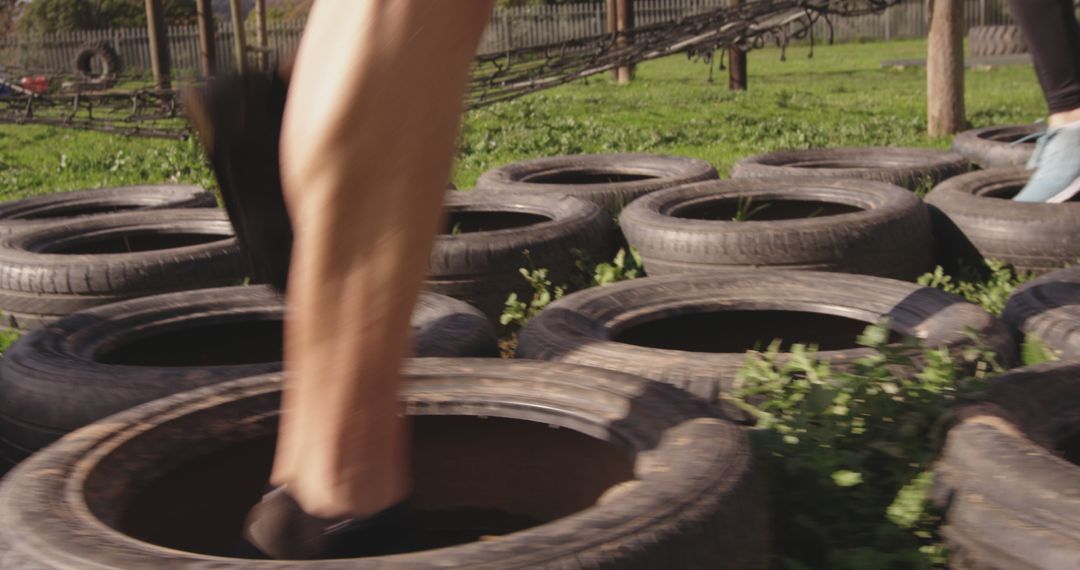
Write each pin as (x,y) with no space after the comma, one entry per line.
(20,214)
(635,475)
(490,236)
(974,219)
(610,181)
(67,266)
(1009,472)
(911,168)
(91,364)
(986,41)
(848,226)
(693,330)
(1048,308)
(991,147)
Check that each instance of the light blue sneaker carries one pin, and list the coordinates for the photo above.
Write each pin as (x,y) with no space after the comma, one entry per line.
(1056,162)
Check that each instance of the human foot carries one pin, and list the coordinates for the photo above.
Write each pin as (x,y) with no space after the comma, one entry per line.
(1056,162)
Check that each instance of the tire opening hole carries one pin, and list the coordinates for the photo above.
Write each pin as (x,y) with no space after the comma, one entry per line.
(740,331)
(206,344)
(473,478)
(76,210)
(133,242)
(1070,449)
(1008,191)
(839,163)
(469,222)
(727,209)
(587,176)
(1008,136)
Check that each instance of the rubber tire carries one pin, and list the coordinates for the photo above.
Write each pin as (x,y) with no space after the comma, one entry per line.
(668,171)
(889,237)
(579,328)
(37,287)
(53,381)
(991,147)
(37,210)
(482,268)
(1048,308)
(112,65)
(696,501)
(984,41)
(907,167)
(971,225)
(1012,501)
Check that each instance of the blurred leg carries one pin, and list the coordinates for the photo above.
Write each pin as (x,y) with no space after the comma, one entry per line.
(367,144)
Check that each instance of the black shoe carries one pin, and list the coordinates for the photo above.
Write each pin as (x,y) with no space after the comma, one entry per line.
(279,528)
(238,120)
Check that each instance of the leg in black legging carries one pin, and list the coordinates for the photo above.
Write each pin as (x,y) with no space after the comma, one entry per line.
(1053,37)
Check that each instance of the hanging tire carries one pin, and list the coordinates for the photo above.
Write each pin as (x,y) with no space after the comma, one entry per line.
(993,147)
(1048,308)
(98,362)
(911,168)
(21,214)
(693,330)
(859,227)
(635,475)
(490,236)
(1008,474)
(109,60)
(984,41)
(610,181)
(54,269)
(974,219)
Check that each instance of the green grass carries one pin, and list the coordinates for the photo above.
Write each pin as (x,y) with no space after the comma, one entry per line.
(841,97)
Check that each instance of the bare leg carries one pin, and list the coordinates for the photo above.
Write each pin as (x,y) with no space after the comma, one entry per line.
(367,144)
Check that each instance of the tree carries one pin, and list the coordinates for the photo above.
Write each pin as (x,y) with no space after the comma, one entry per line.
(66,15)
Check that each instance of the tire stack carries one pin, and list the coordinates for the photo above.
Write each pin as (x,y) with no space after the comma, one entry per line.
(989,41)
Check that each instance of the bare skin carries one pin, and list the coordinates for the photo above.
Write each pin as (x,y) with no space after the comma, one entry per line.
(367,146)
(1063,118)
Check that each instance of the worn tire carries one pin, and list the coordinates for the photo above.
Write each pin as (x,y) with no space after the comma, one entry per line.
(111,65)
(693,500)
(1012,499)
(974,220)
(39,282)
(646,173)
(91,364)
(37,210)
(986,41)
(1048,308)
(482,267)
(887,235)
(582,327)
(992,147)
(907,167)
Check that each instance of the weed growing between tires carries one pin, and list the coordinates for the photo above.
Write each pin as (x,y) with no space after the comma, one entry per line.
(848,452)
(988,286)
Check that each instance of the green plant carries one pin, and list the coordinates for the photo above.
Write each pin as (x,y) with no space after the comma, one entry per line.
(518,312)
(1034,351)
(746,210)
(622,267)
(988,287)
(847,452)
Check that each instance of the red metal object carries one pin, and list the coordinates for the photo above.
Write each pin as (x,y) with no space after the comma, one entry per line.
(35,83)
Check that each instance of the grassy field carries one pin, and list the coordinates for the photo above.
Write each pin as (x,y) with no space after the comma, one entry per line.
(840,97)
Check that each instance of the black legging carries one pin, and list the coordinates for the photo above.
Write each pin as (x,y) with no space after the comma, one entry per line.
(1053,37)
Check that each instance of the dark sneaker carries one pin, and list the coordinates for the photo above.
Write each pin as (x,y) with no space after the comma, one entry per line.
(279,528)
(238,120)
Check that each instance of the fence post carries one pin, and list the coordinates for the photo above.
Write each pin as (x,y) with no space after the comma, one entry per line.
(260,34)
(945,69)
(207,45)
(239,42)
(736,61)
(159,43)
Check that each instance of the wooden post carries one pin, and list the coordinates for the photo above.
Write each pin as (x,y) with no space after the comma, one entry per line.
(260,34)
(625,21)
(945,69)
(239,42)
(736,61)
(159,44)
(612,26)
(207,44)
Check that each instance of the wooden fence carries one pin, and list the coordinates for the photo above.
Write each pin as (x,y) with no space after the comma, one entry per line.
(510,28)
